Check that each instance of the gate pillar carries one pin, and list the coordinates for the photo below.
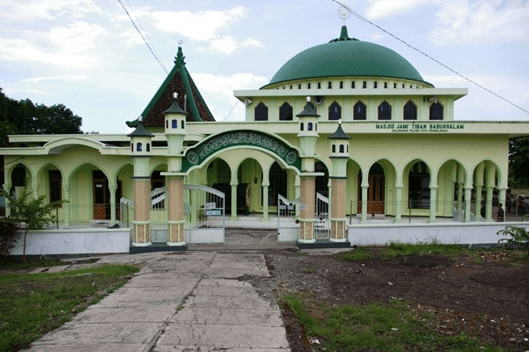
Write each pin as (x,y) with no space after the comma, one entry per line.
(175,213)
(338,219)
(307,207)
(140,141)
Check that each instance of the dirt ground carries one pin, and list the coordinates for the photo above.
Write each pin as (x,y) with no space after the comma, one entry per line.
(488,297)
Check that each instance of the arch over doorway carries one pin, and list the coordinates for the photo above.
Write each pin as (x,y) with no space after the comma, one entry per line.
(241,138)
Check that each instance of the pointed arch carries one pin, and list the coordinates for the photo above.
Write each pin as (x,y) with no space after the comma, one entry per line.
(335,111)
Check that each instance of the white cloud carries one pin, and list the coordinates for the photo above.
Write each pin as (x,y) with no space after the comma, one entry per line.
(385,8)
(23,11)
(131,38)
(54,78)
(200,26)
(467,22)
(61,46)
(218,92)
(227,45)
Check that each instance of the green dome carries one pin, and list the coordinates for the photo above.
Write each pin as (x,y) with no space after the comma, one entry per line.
(346,57)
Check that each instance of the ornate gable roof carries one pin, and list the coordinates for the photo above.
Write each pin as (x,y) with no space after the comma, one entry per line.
(178,80)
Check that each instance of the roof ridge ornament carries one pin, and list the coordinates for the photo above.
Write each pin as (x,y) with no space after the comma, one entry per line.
(179,59)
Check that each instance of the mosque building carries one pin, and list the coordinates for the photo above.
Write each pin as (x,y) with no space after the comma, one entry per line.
(346,134)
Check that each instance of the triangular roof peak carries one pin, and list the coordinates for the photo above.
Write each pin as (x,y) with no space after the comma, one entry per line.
(178,80)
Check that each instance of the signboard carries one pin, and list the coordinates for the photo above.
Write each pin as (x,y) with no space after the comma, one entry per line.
(210,205)
(420,127)
(216,212)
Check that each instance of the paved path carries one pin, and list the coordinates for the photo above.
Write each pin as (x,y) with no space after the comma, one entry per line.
(189,301)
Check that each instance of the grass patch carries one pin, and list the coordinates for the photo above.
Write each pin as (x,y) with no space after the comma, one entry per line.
(34,304)
(375,327)
(397,249)
(356,255)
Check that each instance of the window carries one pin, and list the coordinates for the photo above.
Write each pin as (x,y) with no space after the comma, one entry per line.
(166,124)
(132,147)
(174,124)
(299,86)
(436,111)
(319,85)
(329,85)
(309,126)
(359,111)
(182,124)
(410,111)
(308,86)
(334,148)
(285,112)
(353,85)
(384,111)
(341,148)
(335,111)
(139,147)
(385,84)
(395,85)
(261,112)
(364,85)
(148,147)
(419,186)
(375,85)
(301,126)
(55,185)
(341,84)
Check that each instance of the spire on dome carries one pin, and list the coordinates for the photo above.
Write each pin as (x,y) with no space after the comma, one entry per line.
(343,36)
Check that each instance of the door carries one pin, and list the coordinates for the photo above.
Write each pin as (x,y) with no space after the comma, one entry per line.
(376,192)
(101,196)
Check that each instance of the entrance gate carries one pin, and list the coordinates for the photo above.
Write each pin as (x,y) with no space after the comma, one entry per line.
(322,227)
(204,209)
(287,228)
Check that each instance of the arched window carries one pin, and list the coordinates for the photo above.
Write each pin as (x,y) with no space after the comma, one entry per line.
(309,126)
(182,124)
(139,147)
(364,85)
(335,111)
(132,147)
(329,85)
(419,186)
(148,147)
(301,126)
(375,85)
(341,84)
(174,124)
(285,112)
(436,111)
(341,148)
(353,85)
(359,111)
(384,111)
(334,148)
(261,112)
(166,123)
(410,111)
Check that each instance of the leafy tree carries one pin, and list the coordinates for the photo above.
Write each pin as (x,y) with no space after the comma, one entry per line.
(34,213)
(519,159)
(519,236)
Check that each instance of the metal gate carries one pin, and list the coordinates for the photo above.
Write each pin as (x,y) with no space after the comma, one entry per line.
(322,227)
(287,228)
(204,210)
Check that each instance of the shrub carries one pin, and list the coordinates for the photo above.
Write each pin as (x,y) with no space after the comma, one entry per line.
(519,236)
(8,236)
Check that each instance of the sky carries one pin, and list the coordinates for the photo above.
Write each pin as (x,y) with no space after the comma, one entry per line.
(87,55)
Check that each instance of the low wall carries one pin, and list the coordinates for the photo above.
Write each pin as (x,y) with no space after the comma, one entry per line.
(472,233)
(79,241)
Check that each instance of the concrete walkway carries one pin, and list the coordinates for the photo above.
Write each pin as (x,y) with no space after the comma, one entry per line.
(189,301)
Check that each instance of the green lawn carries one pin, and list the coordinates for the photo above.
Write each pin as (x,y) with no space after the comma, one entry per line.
(375,327)
(34,304)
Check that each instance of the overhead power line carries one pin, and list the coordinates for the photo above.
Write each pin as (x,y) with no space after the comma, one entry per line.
(142,37)
(428,56)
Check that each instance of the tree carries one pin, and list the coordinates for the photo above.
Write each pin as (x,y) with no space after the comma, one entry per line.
(34,213)
(519,159)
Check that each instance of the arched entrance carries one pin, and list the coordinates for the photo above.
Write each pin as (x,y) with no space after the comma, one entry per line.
(376,192)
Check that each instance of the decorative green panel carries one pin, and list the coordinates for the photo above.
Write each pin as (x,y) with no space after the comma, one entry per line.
(199,153)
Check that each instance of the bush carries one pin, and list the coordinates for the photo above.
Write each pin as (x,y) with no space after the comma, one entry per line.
(519,236)
(8,236)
